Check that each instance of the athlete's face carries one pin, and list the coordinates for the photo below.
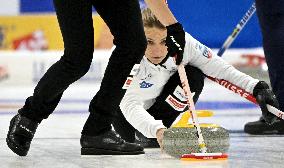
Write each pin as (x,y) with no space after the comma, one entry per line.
(156,50)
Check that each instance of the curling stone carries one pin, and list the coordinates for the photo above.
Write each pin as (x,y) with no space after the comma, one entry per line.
(183,140)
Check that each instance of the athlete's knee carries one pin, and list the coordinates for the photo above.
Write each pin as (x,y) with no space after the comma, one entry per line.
(78,61)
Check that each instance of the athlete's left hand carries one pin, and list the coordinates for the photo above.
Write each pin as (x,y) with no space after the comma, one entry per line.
(175,41)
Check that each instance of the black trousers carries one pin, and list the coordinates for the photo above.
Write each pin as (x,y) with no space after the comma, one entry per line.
(271,18)
(161,110)
(123,17)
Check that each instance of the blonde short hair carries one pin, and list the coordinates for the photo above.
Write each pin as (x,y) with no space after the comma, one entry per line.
(150,20)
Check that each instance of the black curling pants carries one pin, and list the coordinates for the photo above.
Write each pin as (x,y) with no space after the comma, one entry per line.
(271,18)
(75,20)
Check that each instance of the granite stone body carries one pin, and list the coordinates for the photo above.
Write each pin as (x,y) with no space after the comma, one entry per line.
(179,141)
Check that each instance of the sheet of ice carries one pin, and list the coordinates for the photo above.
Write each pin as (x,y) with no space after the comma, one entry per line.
(56,143)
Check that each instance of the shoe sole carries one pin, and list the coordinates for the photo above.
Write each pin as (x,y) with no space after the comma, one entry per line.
(95,151)
(15,148)
(148,145)
(264,130)
(258,132)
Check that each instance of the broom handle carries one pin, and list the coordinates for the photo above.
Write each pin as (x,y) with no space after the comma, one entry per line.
(246,95)
(188,94)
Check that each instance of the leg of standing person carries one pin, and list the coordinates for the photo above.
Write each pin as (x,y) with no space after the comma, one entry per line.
(75,21)
(271,19)
(123,127)
(125,23)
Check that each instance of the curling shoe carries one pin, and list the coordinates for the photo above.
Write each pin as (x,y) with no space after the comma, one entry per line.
(260,127)
(108,143)
(20,134)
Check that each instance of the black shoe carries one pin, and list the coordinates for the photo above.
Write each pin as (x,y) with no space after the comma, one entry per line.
(146,142)
(20,134)
(260,127)
(108,143)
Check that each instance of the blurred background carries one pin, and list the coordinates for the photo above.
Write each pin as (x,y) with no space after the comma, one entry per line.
(30,42)
(30,39)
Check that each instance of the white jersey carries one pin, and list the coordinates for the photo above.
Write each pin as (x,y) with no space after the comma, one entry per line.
(150,80)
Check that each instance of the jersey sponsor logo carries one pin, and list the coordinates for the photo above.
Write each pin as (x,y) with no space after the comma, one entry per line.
(198,46)
(127,83)
(179,93)
(135,69)
(145,84)
(174,103)
(207,53)
(146,77)
(233,88)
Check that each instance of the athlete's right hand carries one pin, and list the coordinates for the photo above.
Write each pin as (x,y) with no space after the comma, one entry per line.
(160,136)
(175,42)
